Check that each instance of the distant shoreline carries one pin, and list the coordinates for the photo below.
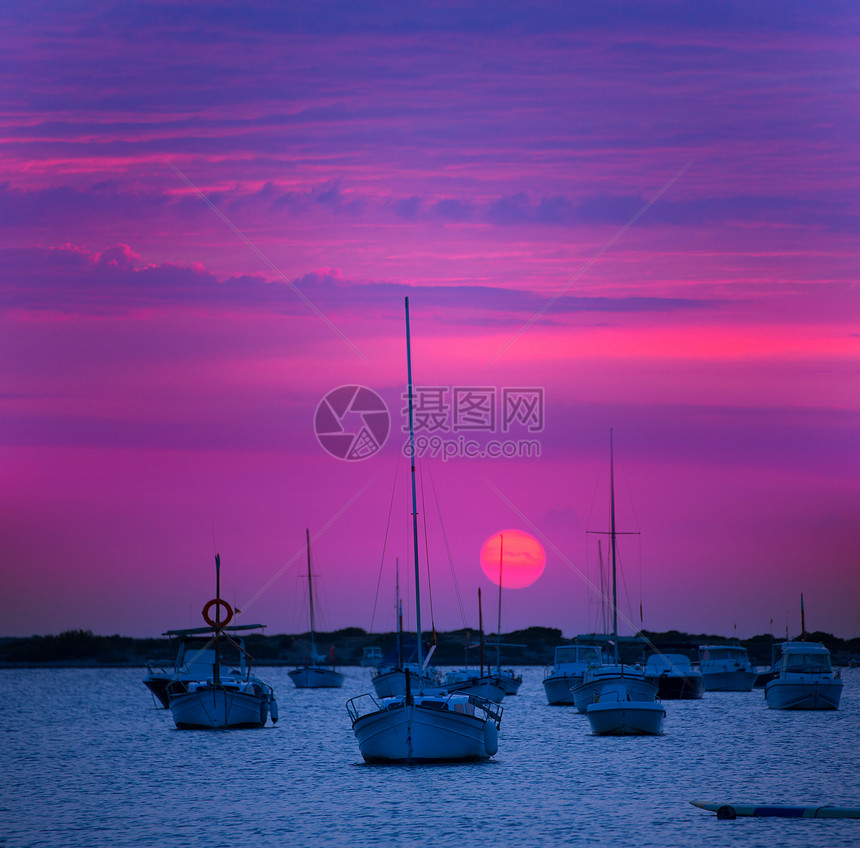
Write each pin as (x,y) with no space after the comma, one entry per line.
(534,646)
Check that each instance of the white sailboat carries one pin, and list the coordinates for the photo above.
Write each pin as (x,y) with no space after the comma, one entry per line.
(509,679)
(419,727)
(223,700)
(597,678)
(389,679)
(313,674)
(466,681)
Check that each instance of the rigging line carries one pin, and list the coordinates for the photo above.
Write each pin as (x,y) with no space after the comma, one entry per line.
(303,549)
(427,551)
(523,517)
(385,541)
(426,545)
(447,547)
(312,306)
(591,261)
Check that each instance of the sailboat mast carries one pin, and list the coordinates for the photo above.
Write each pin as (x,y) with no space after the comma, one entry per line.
(499,628)
(613,543)
(216,669)
(311,597)
(481,629)
(398,611)
(414,499)
(802,620)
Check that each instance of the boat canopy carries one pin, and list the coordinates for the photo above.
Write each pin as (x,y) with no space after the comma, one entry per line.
(722,652)
(579,654)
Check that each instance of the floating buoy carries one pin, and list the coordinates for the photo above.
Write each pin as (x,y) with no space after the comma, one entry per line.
(273,710)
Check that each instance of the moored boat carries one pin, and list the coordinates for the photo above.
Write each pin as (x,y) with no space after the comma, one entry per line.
(806,679)
(313,674)
(195,655)
(568,671)
(220,700)
(419,727)
(467,681)
(596,679)
(616,713)
(726,668)
(674,677)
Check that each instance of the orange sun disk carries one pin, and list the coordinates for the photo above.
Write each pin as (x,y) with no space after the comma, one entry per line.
(523,559)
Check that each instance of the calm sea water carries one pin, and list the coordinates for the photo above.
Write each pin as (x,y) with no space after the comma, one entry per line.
(87,760)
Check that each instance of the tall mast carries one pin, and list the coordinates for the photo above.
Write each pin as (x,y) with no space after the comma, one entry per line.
(398,611)
(414,500)
(217,666)
(481,629)
(499,628)
(311,598)
(802,620)
(612,542)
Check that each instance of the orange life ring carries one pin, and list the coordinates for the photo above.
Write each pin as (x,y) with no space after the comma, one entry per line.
(220,602)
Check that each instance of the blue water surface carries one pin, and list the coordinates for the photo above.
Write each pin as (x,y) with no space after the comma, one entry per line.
(88,761)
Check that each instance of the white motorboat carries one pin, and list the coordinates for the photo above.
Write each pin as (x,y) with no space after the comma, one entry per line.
(221,699)
(417,727)
(568,671)
(615,712)
(806,679)
(726,668)
(313,674)
(674,677)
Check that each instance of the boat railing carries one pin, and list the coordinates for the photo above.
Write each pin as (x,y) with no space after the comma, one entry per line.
(365,704)
(493,710)
(159,666)
(362,705)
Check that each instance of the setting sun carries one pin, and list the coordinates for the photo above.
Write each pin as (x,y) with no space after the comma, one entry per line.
(522,559)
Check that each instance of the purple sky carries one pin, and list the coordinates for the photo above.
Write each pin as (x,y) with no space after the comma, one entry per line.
(211,214)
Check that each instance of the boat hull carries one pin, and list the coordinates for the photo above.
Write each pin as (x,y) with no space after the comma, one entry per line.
(416,733)
(558,689)
(821,694)
(489,688)
(736,680)
(734,810)
(510,682)
(628,718)
(639,689)
(316,677)
(392,683)
(686,687)
(214,707)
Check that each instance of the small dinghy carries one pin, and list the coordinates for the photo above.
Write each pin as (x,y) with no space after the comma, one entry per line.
(614,714)
(732,811)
